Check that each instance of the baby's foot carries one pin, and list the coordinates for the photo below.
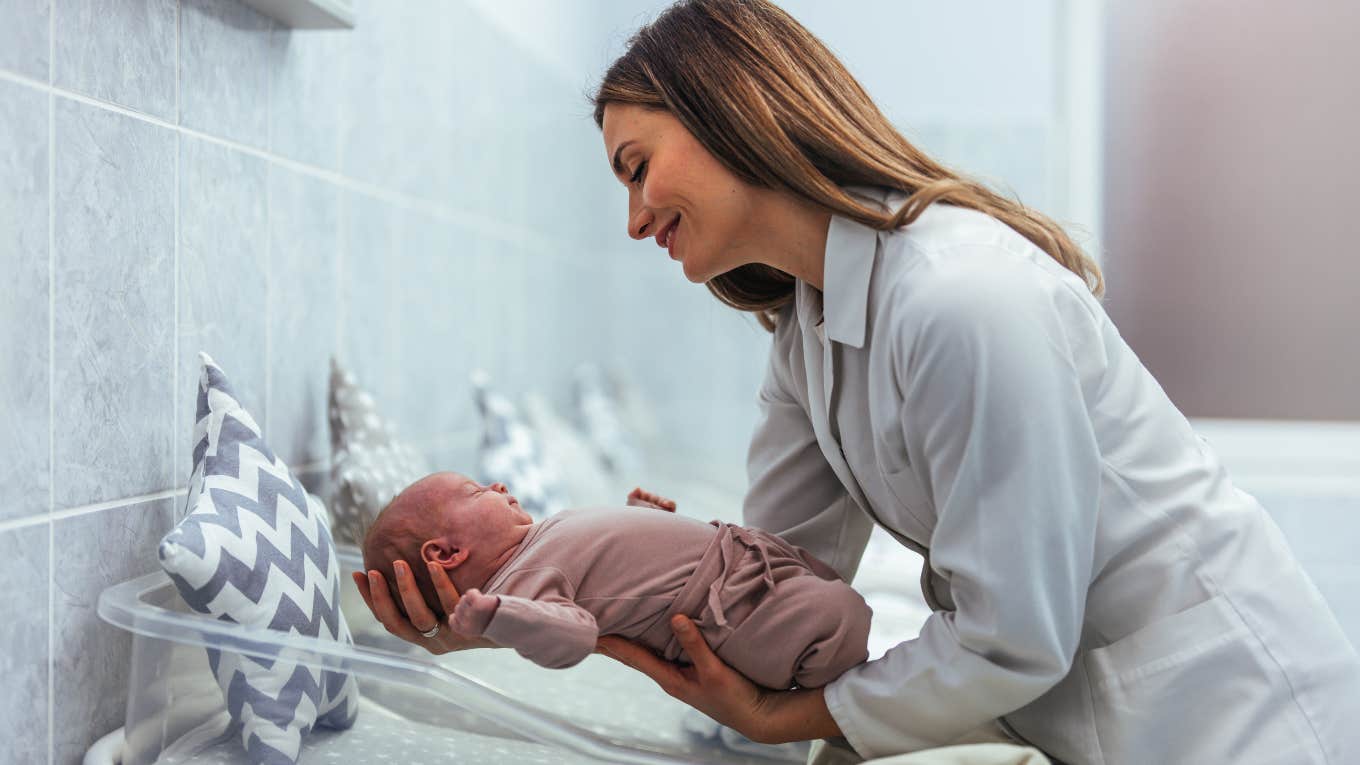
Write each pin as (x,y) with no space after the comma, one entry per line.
(640,497)
(473,613)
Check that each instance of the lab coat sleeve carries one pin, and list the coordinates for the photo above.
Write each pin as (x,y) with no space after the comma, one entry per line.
(997,431)
(792,491)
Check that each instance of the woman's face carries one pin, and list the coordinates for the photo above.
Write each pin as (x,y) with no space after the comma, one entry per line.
(679,194)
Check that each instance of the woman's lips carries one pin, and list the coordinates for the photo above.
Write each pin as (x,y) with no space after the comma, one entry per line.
(670,238)
(663,236)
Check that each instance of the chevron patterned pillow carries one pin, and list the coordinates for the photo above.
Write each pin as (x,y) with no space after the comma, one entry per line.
(370,464)
(254,549)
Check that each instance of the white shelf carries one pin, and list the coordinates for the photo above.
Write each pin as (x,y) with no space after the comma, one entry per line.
(308,14)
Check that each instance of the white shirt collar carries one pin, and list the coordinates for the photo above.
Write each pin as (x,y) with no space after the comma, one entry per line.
(849,264)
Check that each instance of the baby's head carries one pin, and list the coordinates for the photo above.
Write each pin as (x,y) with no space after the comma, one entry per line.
(448,519)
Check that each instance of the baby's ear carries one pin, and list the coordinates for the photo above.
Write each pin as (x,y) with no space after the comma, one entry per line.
(438,552)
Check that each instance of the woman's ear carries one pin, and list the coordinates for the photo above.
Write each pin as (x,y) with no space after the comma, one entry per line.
(440,552)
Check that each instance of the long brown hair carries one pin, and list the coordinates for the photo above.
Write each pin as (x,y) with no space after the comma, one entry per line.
(780,111)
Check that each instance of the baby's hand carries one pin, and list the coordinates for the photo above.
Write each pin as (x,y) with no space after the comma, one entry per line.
(473,613)
(641,498)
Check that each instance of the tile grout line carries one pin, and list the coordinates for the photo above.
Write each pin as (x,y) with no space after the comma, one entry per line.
(465,435)
(342,210)
(269,88)
(342,244)
(179,12)
(174,324)
(510,233)
(268,295)
(52,373)
(61,515)
(340,126)
(113,504)
(268,266)
(51,378)
(174,287)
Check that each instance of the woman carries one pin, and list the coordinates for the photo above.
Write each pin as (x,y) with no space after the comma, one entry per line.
(941,367)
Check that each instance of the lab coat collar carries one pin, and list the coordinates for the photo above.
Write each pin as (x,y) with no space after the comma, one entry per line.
(849,264)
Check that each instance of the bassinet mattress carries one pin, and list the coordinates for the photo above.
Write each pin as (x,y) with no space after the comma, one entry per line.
(605,697)
(380,736)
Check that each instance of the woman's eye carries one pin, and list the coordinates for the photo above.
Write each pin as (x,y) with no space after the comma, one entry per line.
(637,174)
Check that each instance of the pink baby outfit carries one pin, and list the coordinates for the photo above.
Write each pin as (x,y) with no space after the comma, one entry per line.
(769,609)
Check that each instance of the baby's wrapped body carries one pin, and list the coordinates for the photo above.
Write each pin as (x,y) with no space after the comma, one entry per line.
(769,609)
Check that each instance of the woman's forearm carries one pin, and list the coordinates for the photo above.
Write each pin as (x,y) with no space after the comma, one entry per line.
(796,716)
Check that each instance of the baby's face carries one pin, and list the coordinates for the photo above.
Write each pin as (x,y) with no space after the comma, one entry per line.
(480,510)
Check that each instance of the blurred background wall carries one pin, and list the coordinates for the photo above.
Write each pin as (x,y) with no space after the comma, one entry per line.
(1230,192)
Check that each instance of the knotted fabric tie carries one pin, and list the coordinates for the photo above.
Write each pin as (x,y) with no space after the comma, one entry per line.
(730,533)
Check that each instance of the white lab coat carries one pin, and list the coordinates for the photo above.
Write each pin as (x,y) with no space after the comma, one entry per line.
(1100,587)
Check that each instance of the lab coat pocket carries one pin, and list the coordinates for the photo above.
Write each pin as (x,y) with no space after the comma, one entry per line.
(1193,687)
(901,480)
(907,490)
(890,448)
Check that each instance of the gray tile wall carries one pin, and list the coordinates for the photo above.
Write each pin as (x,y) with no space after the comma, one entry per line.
(25,348)
(90,658)
(121,52)
(113,305)
(25,694)
(24,37)
(421,195)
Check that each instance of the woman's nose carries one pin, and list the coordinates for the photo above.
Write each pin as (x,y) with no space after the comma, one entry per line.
(640,225)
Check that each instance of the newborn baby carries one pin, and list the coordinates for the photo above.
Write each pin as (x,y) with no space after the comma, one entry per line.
(550,589)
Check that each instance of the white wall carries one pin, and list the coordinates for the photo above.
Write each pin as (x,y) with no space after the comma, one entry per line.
(1231,187)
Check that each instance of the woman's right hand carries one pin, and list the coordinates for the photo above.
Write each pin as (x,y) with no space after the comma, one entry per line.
(373,588)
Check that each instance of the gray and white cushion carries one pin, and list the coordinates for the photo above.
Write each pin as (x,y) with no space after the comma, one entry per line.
(583,474)
(510,452)
(254,549)
(370,464)
(600,417)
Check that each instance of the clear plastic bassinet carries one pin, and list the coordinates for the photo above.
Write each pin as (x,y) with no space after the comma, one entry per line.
(481,706)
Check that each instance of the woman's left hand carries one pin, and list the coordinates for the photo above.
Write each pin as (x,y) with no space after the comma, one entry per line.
(711,686)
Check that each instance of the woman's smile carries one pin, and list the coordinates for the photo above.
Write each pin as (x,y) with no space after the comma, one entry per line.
(671,235)
(666,236)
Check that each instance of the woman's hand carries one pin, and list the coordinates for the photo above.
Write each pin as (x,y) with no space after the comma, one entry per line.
(714,688)
(373,588)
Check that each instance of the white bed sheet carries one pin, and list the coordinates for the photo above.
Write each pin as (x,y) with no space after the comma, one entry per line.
(379,736)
